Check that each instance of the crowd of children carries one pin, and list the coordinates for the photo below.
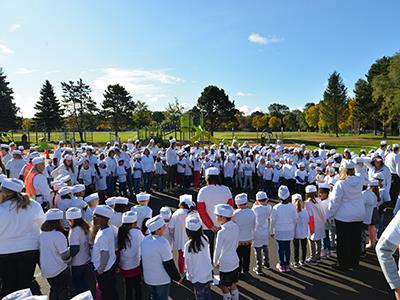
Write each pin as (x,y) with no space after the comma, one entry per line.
(92,229)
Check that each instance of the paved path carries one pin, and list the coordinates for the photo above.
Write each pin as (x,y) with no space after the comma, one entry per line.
(308,282)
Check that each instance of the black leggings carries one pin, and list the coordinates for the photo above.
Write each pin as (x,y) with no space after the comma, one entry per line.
(296,243)
(348,243)
(60,286)
(16,271)
(243,252)
(131,284)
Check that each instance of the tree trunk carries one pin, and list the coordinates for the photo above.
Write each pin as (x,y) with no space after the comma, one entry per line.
(80,134)
(116,133)
(374,124)
(48,135)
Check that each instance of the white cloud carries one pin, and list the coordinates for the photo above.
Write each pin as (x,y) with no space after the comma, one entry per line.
(248,110)
(244,94)
(263,40)
(24,71)
(5,49)
(145,85)
(14,27)
(52,72)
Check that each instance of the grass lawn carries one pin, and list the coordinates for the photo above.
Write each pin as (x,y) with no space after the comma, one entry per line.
(311,139)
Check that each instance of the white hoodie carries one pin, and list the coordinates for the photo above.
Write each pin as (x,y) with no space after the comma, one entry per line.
(346,202)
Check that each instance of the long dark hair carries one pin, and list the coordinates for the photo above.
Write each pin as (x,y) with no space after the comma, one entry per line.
(124,241)
(120,208)
(82,224)
(52,225)
(69,167)
(144,227)
(213,180)
(196,240)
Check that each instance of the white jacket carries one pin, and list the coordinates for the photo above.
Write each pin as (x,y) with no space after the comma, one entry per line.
(346,202)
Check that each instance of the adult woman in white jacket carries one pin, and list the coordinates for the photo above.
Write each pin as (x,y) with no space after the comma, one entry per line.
(347,207)
(20,221)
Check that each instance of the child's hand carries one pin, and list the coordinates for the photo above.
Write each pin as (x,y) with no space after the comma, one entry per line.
(273,235)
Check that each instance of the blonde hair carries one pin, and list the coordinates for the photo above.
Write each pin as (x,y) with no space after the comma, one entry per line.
(345,173)
(299,204)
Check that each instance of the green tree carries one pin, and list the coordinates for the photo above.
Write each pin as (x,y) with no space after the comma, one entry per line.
(141,115)
(49,114)
(79,105)
(386,89)
(364,104)
(334,102)
(8,109)
(279,111)
(274,123)
(216,108)
(312,116)
(158,116)
(118,107)
(292,120)
(259,121)
(379,67)
(173,114)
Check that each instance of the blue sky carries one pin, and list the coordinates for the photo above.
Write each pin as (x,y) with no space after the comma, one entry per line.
(260,51)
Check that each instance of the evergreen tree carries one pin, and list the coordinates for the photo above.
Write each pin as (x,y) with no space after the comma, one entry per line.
(49,114)
(216,108)
(334,102)
(79,104)
(8,110)
(118,107)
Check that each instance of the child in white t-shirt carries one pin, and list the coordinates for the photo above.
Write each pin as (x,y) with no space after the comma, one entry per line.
(121,174)
(86,176)
(83,277)
(101,180)
(103,253)
(198,265)
(248,174)
(262,210)
(283,223)
(130,239)
(177,227)
(55,255)
(301,231)
(166,213)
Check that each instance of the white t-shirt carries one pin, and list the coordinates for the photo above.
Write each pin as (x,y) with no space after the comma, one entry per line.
(261,230)
(15,166)
(52,245)
(87,175)
(246,220)
(301,229)
(226,244)
(104,241)
(143,212)
(177,223)
(130,256)
(77,237)
(19,230)
(155,251)
(211,195)
(283,221)
(198,265)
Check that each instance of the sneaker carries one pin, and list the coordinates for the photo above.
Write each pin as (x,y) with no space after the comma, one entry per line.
(287,269)
(310,261)
(301,263)
(258,271)
(280,268)
(296,265)
(267,266)
(370,246)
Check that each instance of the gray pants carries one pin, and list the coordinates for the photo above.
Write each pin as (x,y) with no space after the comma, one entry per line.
(315,250)
(262,256)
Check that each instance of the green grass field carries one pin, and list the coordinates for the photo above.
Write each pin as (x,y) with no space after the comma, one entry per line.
(311,139)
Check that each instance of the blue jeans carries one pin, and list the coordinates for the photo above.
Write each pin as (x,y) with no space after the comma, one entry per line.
(129,178)
(147,181)
(83,279)
(327,241)
(284,252)
(159,292)
(110,185)
(136,185)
